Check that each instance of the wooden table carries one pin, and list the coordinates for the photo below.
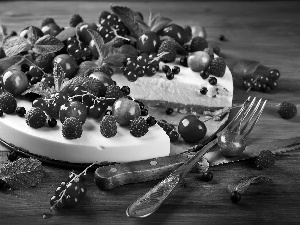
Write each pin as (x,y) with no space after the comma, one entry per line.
(268,32)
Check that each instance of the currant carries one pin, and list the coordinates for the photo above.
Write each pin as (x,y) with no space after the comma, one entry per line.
(173,135)
(207,176)
(151,121)
(176,70)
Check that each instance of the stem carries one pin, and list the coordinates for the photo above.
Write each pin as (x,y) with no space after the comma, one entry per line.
(119,36)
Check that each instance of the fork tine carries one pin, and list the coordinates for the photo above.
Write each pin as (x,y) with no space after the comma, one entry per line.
(238,113)
(243,113)
(255,121)
(242,129)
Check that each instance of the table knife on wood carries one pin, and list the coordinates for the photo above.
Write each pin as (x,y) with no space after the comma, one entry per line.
(108,177)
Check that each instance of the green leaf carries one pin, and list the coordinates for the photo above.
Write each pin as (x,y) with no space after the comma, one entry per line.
(115,60)
(99,42)
(14,45)
(32,35)
(240,185)
(244,68)
(157,22)
(47,44)
(22,173)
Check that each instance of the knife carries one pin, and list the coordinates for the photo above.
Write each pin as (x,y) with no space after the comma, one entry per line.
(108,177)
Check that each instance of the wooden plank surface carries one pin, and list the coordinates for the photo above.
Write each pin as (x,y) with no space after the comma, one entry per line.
(267,32)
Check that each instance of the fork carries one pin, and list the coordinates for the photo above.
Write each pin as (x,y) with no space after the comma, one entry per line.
(152,200)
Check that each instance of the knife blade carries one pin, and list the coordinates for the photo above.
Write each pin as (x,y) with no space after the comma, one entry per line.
(108,177)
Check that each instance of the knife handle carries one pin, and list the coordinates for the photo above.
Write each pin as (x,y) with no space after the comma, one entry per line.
(108,177)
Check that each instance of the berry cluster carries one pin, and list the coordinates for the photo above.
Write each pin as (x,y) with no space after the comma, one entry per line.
(170,73)
(262,83)
(79,51)
(110,24)
(68,194)
(140,66)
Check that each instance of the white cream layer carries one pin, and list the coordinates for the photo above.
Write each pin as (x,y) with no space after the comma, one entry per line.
(90,147)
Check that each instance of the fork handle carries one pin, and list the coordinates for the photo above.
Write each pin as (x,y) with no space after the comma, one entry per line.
(151,201)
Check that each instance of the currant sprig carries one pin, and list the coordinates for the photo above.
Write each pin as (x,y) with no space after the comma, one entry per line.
(69,193)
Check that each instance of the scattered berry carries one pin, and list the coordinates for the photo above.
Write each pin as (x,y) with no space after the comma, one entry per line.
(138,127)
(151,121)
(166,69)
(36,118)
(72,128)
(235,197)
(125,90)
(204,74)
(176,69)
(108,126)
(207,176)
(173,135)
(52,122)
(265,159)
(144,112)
(169,111)
(213,80)
(170,76)
(287,110)
(21,111)
(203,90)
(222,37)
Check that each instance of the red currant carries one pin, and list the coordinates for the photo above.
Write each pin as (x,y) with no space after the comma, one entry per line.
(72,189)
(71,201)
(132,76)
(173,135)
(143,59)
(207,176)
(274,74)
(140,72)
(263,79)
(150,70)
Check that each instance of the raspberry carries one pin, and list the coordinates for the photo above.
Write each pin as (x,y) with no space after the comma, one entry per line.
(72,128)
(287,110)
(108,126)
(36,118)
(217,67)
(8,103)
(198,44)
(75,20)
(168,46)
(265,159)
(138,127)
(113,93)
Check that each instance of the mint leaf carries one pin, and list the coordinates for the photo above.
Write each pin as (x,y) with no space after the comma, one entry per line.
(7,62)
(66,33)
(157,22)
(14,45)
(40,88)
(22,173)
(99,42)
(115,60)
(47,44)
(130,19)
(32,35)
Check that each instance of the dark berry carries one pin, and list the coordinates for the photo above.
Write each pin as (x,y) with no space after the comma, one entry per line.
(24,67)
(263,79)
(203,90)
(12,156)
(213,80)
(169,111)
(222,38)
(1,112)
(2,183)
(108,112)
(142,106)
(235,197)
(140,71)
(170,76)
(204,74)
(256,86)
(246,84)
(167,127)
(173,135)
(35,80)
(176,69)
(187,48)
(273,84)
(144,112)
(166,69)
(13,33)
(151,121)
(265,88)
(21,111)
(274,74)
(183,61)
(207,176)
(125,90)
(27,74)
(150,70)
(114,83)
(52,122)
